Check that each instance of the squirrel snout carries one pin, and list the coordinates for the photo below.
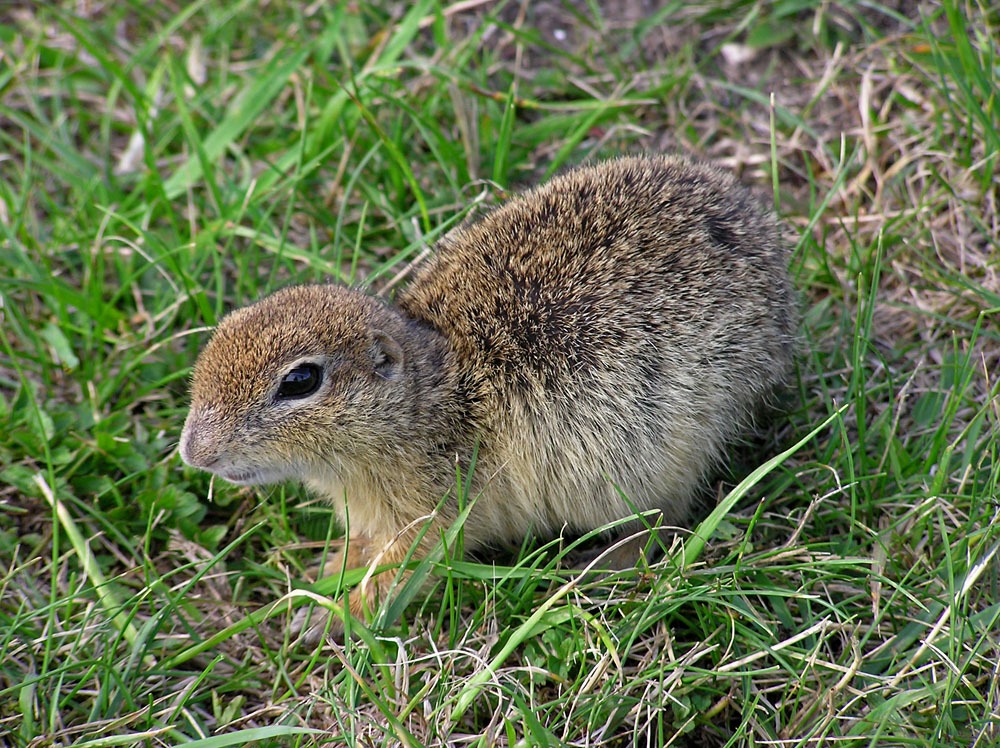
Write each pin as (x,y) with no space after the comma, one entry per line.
(195,449)
(201,447)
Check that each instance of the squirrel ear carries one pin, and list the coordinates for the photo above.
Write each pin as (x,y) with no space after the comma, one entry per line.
(387,355)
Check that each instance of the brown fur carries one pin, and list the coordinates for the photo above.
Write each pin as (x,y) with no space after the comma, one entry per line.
(604,334)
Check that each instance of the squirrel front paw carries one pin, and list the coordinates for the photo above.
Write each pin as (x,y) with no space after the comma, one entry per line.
(312,623)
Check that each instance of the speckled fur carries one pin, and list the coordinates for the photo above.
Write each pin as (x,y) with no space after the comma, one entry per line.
(606,333)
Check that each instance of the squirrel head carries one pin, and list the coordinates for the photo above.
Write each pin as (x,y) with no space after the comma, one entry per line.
(297,383)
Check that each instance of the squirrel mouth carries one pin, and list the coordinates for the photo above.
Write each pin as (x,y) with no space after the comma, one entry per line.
(252,477)
(239,478)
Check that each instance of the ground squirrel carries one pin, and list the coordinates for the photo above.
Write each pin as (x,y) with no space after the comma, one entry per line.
(596,341)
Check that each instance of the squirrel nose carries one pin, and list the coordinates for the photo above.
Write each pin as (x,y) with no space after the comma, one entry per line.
(194,449)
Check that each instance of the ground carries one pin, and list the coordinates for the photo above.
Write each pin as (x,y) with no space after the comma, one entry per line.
(164,162)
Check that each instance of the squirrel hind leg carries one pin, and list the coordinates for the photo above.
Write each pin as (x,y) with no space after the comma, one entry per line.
(626,550)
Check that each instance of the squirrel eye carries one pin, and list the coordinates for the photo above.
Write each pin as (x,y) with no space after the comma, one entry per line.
(301,381)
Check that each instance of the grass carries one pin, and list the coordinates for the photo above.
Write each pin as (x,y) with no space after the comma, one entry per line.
(162,163)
